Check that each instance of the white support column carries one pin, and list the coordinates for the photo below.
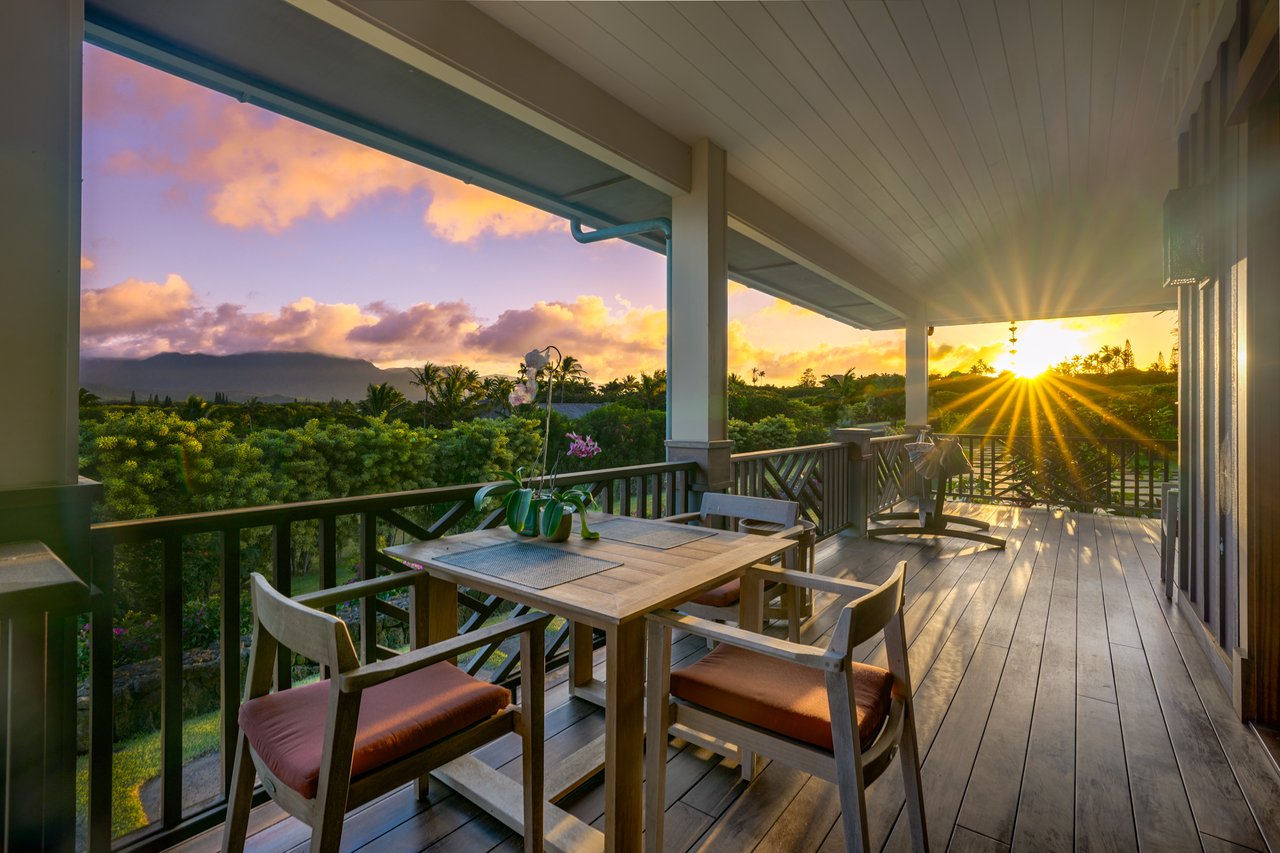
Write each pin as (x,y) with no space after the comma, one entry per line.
(697,318)
(917,345)
(40,241)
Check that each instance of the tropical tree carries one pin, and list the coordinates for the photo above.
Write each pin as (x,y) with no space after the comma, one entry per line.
(653,389)
(426,377)
(497,392)
(457,395)
(842,392)
(88,398)
(382,400)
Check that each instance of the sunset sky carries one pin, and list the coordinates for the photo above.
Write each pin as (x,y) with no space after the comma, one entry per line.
(214,226)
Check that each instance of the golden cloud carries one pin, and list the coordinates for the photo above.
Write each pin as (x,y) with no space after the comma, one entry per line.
(134,307)
(269,172)
(86,263)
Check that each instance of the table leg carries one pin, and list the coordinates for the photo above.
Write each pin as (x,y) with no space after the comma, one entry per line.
(442,610)
(624,729)
(580,656)
(750,618)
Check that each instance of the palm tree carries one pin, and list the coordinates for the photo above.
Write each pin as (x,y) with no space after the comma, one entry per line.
(497,390)
(571,372)
(252,405)
(381,400)
(457,394)
(426,377)
(841,390)
(653,389)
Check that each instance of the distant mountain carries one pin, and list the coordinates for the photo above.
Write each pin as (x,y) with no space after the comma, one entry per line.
(272,377)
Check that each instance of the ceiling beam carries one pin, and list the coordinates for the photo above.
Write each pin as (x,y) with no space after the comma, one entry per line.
(755,216)
(462,46)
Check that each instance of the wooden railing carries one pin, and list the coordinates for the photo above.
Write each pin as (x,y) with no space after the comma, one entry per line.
(815,476)
(891,472)
(336,537)
(1079,472)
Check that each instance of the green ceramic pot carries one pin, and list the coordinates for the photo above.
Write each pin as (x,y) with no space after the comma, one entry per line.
(556,522)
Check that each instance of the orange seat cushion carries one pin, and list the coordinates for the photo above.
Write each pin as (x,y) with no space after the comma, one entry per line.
(286,729)
(780,696)
(724,595)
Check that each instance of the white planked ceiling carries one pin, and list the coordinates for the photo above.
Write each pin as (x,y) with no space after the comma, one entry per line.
(997,158)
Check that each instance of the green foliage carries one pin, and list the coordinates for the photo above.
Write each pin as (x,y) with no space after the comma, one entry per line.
(769,433)
(627,435)
(153,462)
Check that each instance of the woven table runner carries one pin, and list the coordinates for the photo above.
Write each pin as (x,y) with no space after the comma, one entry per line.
(651,535)
(528,563)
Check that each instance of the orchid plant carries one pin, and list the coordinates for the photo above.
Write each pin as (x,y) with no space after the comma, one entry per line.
(575,499)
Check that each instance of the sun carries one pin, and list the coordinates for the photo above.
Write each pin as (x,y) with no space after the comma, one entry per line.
(1041,345)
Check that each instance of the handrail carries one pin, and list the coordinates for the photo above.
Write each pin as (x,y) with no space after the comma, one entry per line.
(130,530)
(783,451)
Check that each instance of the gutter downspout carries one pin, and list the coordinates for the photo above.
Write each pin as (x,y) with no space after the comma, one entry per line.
(631,229)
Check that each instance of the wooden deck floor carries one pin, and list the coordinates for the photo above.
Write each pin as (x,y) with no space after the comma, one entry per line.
(1062,703)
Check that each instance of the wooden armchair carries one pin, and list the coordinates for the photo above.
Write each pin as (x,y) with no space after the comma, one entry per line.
(817,710)
(325,748)
(756,515)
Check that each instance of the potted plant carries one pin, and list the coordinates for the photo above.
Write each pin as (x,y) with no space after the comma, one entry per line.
(556,521)
(521,505)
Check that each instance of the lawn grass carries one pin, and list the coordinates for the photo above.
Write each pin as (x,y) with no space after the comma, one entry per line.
(136,762)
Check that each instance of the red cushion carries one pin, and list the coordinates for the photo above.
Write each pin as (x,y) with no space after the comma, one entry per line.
(783,697)
(722,596)
(286,729)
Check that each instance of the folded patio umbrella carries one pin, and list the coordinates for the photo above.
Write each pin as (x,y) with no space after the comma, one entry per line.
(943,459)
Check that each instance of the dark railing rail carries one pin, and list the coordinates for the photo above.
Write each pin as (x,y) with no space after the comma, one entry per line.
(1078,472)
(890,475)
(814,476)
(343,531)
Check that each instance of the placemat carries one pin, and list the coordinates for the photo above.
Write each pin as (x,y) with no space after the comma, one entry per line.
(528,563)
(662,536)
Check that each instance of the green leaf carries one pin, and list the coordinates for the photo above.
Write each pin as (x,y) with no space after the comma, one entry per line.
(494,489)
(518,508)
(551,515)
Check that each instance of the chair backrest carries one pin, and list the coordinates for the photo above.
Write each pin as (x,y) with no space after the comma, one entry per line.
(870,614)
(756,509)
(311,633)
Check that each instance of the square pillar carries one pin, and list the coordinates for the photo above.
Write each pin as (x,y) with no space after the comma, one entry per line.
(917,357)
(697,318)
(40,241)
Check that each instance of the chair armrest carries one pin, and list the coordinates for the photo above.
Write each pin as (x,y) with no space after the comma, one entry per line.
(789,532)
(840,586)
(682,518)
(740,638)
(370,675)
(325,597)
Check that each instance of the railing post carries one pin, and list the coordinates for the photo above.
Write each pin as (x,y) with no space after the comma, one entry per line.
(715,467)
(861,478)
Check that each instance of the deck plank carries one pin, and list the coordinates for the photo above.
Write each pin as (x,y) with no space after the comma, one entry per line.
(991,798)
(1104,812)
(1046,807)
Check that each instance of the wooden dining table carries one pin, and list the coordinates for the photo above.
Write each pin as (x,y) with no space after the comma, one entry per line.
(615,601)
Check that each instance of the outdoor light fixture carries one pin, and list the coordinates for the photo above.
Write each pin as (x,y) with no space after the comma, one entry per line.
(1186,237)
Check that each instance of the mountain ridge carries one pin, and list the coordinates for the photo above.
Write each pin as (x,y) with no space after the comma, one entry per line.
(272,377)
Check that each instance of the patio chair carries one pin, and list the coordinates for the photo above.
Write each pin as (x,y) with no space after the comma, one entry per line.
(760,516)
(327,747)
(816,710)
